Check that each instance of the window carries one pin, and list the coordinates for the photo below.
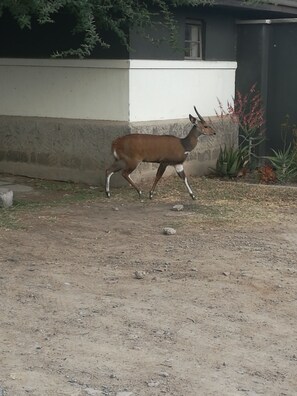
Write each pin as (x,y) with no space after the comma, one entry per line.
(193,40)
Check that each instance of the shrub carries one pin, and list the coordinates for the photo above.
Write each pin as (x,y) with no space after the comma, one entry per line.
(284,160)
(230,161)
(247,112)
(285,164)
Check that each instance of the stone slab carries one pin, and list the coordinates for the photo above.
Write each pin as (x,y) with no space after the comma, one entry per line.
(6,197)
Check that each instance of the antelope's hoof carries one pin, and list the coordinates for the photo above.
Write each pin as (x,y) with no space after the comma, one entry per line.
(150,195)
(193,197)
(107,194)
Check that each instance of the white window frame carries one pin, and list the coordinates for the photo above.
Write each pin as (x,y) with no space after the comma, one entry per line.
(194,43)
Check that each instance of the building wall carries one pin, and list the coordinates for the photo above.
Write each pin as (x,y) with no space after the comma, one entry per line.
(42,41)
(79,150)
(164,90)
(114,90)
(219,37)
(59,117)
(282,83)
(57,148)
(267,56)
(71,89)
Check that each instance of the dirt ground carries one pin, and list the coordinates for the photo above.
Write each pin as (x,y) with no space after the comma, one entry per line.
(213,313)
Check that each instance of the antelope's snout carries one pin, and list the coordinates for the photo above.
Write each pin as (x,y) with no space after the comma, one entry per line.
(208,130)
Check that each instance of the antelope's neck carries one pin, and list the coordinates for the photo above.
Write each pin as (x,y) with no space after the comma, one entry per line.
(190,141)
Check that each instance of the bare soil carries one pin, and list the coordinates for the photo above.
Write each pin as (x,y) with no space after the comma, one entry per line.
(212,309)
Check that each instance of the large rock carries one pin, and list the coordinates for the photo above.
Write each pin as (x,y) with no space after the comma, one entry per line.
(6,197)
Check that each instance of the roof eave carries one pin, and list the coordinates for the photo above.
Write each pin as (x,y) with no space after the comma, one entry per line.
(280,6)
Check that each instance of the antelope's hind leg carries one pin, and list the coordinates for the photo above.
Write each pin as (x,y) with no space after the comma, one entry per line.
(126,174)
(181,173)
(115,167)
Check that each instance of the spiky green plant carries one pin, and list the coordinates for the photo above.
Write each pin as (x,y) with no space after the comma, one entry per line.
(285,163)
(230,161)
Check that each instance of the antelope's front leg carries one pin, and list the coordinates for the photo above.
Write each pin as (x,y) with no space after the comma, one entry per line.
(159,174)
(181,173)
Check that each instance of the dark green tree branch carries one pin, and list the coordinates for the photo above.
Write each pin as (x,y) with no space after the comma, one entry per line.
(96,16)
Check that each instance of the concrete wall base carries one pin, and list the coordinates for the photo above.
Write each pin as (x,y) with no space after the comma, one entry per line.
(79,150)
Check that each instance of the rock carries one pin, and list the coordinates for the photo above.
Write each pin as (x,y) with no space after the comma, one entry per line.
(168,363)
(139,274)
(124,393)
(93,392)
(6,198)
(163,374)
(152,384)
(177,208)
(169,231)
(226,273)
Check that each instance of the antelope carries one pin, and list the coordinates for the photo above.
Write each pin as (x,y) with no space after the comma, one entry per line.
(130,150)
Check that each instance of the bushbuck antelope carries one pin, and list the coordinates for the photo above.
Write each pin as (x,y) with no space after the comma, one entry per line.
(130,150)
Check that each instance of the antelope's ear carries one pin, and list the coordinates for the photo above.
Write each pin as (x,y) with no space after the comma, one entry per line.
(192,119)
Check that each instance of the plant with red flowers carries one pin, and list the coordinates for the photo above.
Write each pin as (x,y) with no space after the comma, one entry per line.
(247,112)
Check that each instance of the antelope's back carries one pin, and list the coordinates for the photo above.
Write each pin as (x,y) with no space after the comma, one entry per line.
(149,148)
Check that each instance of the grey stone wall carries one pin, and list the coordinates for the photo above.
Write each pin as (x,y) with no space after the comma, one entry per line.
(79,150)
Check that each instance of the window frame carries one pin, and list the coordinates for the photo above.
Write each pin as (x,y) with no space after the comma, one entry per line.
(199,41)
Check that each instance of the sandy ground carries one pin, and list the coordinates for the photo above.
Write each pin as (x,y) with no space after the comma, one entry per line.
(213,313)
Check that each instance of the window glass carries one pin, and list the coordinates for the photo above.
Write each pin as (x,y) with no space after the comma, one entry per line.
(193,40)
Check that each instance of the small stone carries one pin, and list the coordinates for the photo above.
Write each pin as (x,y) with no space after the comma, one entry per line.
(124,393)
(93,392)
(139,274)
(163,374)
(177,208)
(169,231)
(6,198)
(226,273)
(152,384)
(168,363)
(116,209)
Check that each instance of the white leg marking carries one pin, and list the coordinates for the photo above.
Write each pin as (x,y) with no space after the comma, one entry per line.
(139,191)
(188,187)
(108,181)
(179,168)
(115,155)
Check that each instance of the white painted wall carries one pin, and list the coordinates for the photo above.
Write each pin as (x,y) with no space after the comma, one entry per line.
(122,90)
(161,90)
(78,89)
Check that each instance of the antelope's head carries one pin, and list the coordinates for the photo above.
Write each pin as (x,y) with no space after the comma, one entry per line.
(203,127)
